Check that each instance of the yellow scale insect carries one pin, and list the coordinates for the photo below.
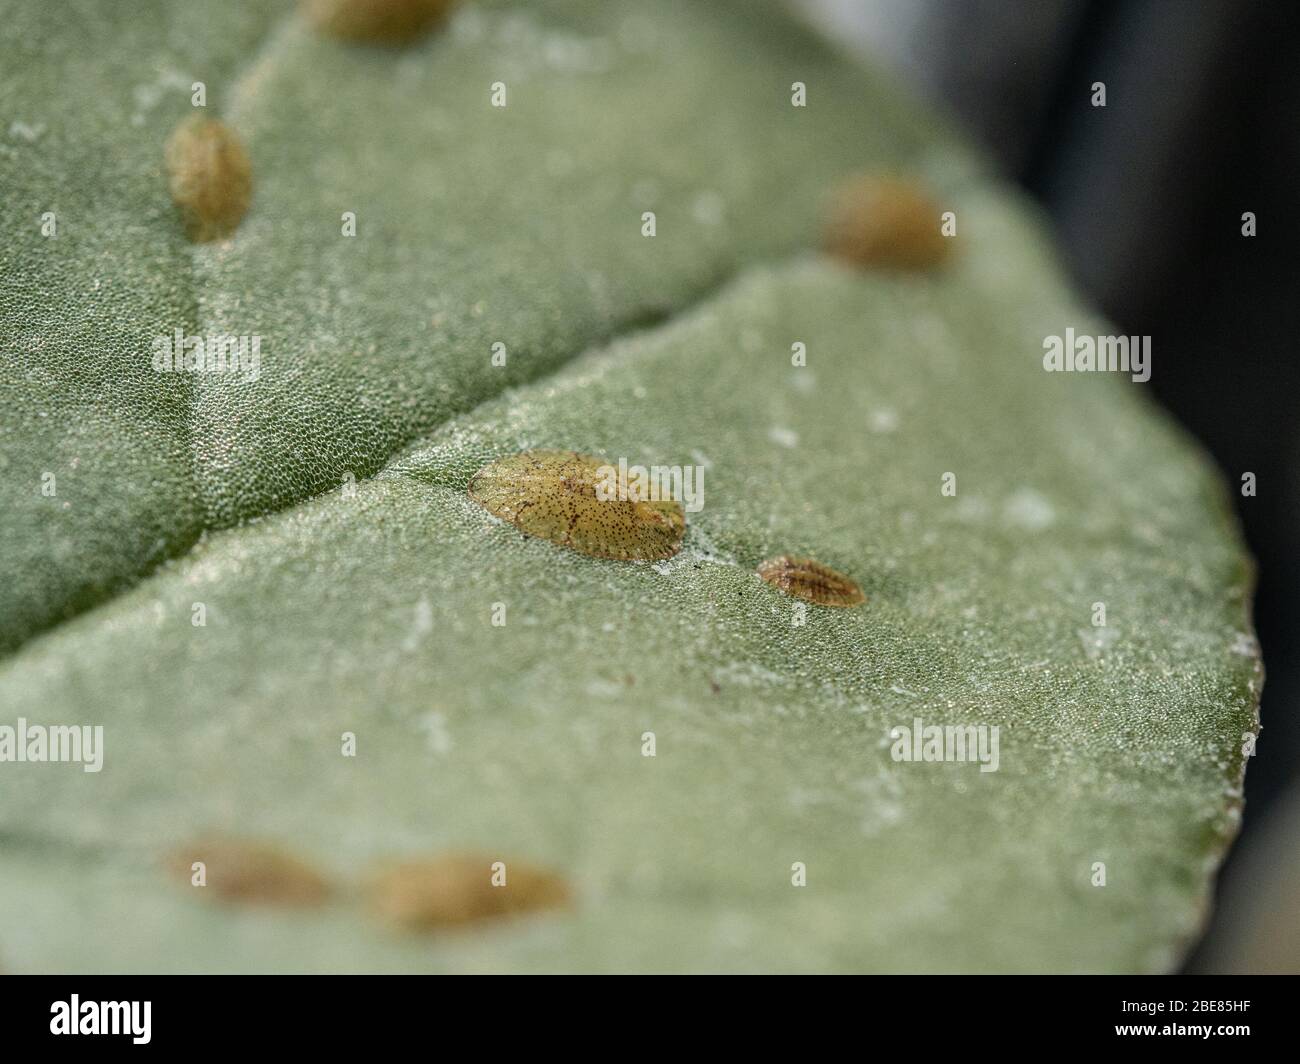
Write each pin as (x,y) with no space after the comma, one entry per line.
(884,222)
(553,495)
(455,889)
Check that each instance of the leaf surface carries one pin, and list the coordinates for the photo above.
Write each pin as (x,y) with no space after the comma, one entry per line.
(331,611)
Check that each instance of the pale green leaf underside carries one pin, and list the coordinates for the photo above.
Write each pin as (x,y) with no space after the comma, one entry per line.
(525,740)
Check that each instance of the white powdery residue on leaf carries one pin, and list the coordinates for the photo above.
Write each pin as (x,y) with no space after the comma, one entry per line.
(1148,533)
(883,420)
(1028,509)
(148,95)
(972,509)
(27,132)
(707,208)
(1097,641)
(749,674)
(733,931)
(572,54)
(883,805)
(420,624)
(799,798)
(438,738)
(599,688)
(1245,645)
(525,46)
(697,549)
(783,437)
(468,26)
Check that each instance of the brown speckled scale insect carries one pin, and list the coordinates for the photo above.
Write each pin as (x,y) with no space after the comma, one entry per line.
(812,581)
(552,495)
(211,178)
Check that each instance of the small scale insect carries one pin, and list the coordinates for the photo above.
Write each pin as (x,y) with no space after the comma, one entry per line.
(553,495)
(812,581)
(376,21)
(463,888)
(211,178)
(884,222)
(239,870)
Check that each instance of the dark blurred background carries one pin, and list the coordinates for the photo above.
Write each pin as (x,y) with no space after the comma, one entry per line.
(1201,123)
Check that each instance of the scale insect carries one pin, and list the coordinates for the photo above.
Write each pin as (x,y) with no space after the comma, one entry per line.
(455,889)
(553,495)
(210,177)
(376,21)
(811,581)
(888,222)
(238,870)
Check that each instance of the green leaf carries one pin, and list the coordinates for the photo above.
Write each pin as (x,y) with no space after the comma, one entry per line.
(330,610)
